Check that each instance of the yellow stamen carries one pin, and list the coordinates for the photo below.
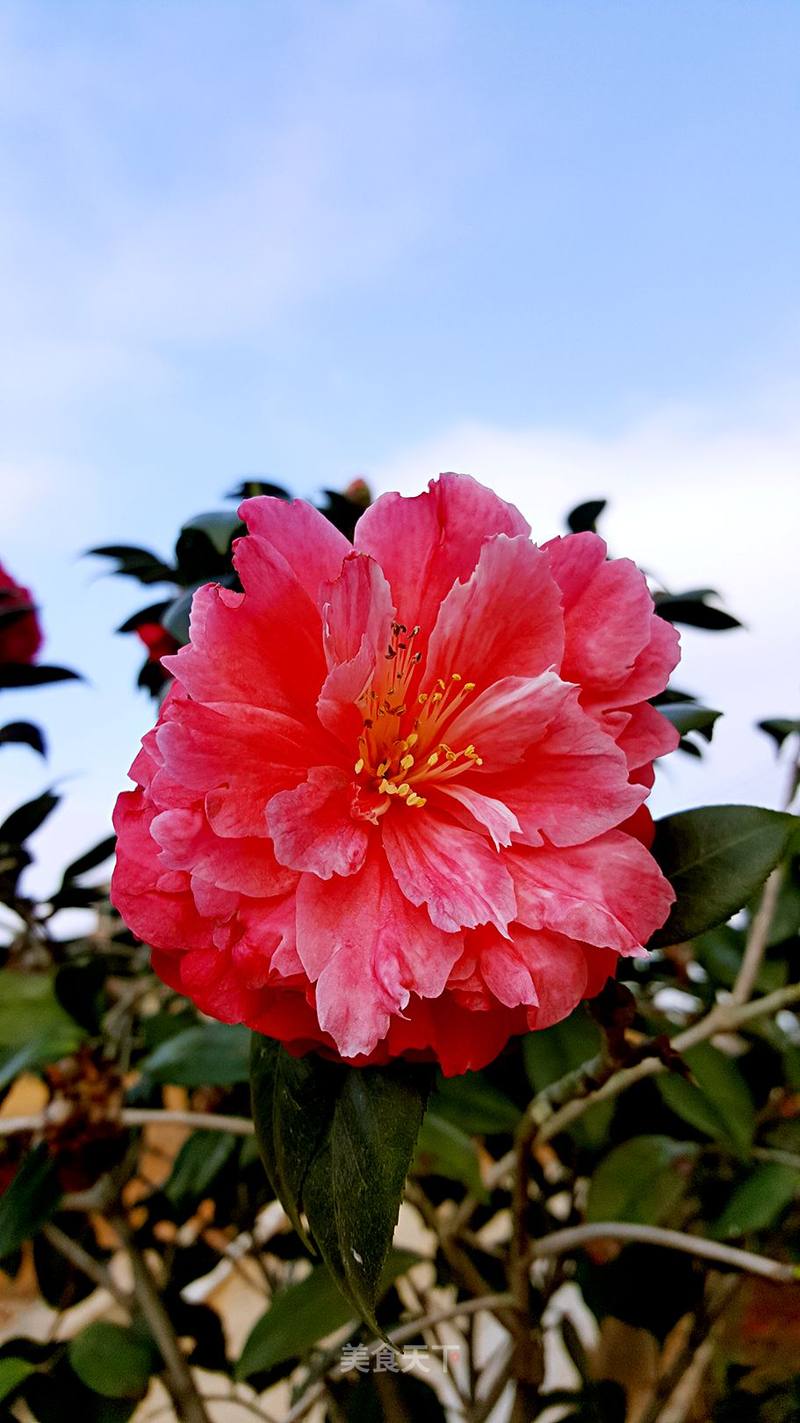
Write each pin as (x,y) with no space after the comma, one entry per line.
(404,789)
(407,762)
(359,766)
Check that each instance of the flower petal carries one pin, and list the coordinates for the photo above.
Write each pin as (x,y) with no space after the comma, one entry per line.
(425,544)
(367,949)
(311,546)
(503,721)
(492,814)
(504,621)
(463,881)
(609,892)
(312,826)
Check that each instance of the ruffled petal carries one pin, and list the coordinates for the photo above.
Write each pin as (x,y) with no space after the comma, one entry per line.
(610,892)
(311,546)
(503,721)
(646,736)
(367,949)
(158,908)
(504,621)
(312,826)
(456,873)
(573,784)
(357,617)
(424,545)
(492,815)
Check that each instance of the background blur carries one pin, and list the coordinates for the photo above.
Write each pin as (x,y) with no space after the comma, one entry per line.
(550,243)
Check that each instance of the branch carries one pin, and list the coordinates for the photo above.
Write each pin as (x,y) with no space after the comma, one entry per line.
(756,945)
(561,1242)
(59,1112)
(402,1335)
(86,1263)
(189,1405)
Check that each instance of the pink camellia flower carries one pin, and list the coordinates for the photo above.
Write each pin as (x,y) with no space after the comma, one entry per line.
(20,633)
(393,804)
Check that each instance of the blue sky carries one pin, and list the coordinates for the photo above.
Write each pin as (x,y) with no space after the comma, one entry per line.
(551,242)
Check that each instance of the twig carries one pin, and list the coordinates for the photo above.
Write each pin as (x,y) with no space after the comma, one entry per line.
(573,1237)
(178,1377)
(83,1261)
(502,1377)
(401,1335)
(59,1112)
(758,935)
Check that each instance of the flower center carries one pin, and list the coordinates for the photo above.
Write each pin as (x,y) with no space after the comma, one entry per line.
(402,749)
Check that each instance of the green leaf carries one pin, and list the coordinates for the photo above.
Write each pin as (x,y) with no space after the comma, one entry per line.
(293,1103)
(717,1102)
(27,819)
(29,674)
(30,1014)
(721,950)
(13,1372)
(692,609)
(583,518)
(780,728)
(690,716)
(303,1313)
(641,1180)
(198,1163)
(337,1143)
(444,1150)
(207,1055)
(551,1053)
(219,527)
(758,1201)
(114,1360)
(716,858)
(473,1104)
(23,733)
(91,859)
(29,1201)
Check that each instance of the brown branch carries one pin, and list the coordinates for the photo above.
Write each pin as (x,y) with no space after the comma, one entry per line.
(178,1376)
(83,1261)
(573,1237)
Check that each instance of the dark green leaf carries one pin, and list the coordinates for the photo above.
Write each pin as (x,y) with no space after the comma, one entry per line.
(779,728)
(23,733)
(13,1372)
(352,1196)
(153,613)
(337,1143)
(251,488)
(219,526)
(29,1201)
(30,1012)
(717,1102)
(136,563)
(641,1180)
(208,1055)
(758,1201)
(690,716)
(716,858)
(445,1150)
(176,616)
(114,1360)
(583,518)
(293,1103)
(27,674)
(473,1104)
(27,818)
(91,859)
(692,610)
(720,951)
(303,1313)
(197,1165)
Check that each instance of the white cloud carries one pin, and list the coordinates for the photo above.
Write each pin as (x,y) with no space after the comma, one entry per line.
(697,503)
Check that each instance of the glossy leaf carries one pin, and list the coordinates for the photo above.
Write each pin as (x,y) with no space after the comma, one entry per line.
(716,858)
(113,1359)
(553,1052)
(780,728)
(31,1014)
(583,518)
(758,1201)
(304,1313)
(472,1103)
(337,1144)
(693,610)
(208,1055)
(91,859)
(29,1201)
(27,818)
(23,733)
(13,1372)
(200,1160)
(443,1149)
(690,716)
(717,1102)
(30,674)
(642,1180)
